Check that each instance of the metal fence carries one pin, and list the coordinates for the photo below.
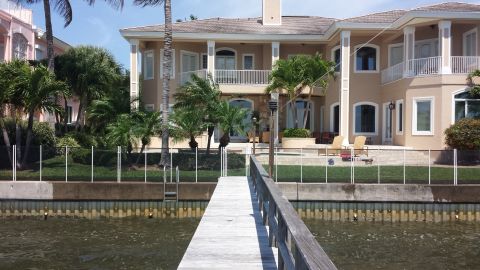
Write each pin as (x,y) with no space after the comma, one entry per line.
(375,165)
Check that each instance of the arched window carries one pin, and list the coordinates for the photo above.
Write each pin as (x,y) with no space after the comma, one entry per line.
(466,106)
(335,117)
(304,108)
(225,59)
(366,58)
(245,104)
(19,46)
(365,116)
(336,58)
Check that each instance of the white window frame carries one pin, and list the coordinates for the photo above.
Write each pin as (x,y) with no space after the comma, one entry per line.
(148,53)
(184,52)
(312,113)
(332,116)
(332,57)
(430,41)
(70,119)
(150,107)
(172,76)
(201,61)
(355,118)
(415,132)
(253,60)
(397,117)
(464,50)
(390,46)
(227,49)
(377,64)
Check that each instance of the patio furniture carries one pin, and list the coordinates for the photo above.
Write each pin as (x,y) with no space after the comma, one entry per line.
(318,137)
(359,147)
(250,138)
(336,146)
(326,138)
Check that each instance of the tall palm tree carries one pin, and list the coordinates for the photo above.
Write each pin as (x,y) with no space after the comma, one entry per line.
(64,9)
(232,120)
(203,97)
(38,96)
(167,67)
(91,72)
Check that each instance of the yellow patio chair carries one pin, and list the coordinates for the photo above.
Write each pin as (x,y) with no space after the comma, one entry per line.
(359,147)
(336,146)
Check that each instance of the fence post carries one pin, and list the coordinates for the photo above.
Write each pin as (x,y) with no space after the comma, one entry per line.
(301,165)
(378,166)
(196,164)
(41,150)
(326,164)
(145,165)
(352,163)
(404,161)
(276,163)
(455,166)
(14,163)
(119,163)
(221,162)
(429,167)
(66,163)
(226,162)
(171,165)
(92,166)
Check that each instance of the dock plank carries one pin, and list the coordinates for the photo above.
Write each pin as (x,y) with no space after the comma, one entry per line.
(231,234)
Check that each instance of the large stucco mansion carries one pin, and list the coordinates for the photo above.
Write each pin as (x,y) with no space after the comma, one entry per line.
(20,38)
(401,74)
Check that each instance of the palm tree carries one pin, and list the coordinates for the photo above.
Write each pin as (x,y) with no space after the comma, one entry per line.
(202,96)
(147,125)
(121,133)
(43,86)
(187,124)
(91,72)
(167,67)
(64,8)
(232,120)
(296,74)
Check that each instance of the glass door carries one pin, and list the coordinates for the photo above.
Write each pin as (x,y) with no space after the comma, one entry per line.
(387,124)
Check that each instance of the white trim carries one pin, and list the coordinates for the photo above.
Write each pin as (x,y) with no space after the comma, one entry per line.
(173,64)
(355,115)
(332,116)
(415,132)
(386,140)
(185,52)
(390,46)
(201,60)
(253,60)
(227,49)
(397,117)
(377,64)
(312,113)
(148,53)
(464,44)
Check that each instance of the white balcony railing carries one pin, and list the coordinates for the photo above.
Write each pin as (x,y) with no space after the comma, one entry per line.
(187,76)
(424,66)
(393,73)
(16,10)
(242,77)
(465,64)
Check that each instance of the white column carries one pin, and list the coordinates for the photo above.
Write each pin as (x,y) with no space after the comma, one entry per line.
(445,46)
(275,57)
(408,50)
(211,58)
(345,85)
(275,52)
(134,47)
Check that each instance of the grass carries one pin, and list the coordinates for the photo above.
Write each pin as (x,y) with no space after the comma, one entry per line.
(54,170)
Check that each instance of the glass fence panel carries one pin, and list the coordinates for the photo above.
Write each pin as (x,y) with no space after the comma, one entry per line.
(6,171)
(53,164)
(468,166)
(104,165)
(442,170)
(417,167)
(313,162)
(391,165)
(208,165)
(365,165)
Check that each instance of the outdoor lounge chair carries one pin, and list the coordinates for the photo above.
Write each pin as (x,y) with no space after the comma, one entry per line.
(336,146)
(359,147)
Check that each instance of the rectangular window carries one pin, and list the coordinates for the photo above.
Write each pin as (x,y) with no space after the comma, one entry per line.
(365,119)
(470,43)
(422,116)
(172,71)
(248,62)
(400,114)
(189,61)
(149,107)
(69,114)
(39,54)
(204,59)
(148,65)
(396,55)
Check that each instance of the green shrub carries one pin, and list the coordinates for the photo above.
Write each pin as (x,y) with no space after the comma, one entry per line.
(84,139)
(296,133)
(464,135)
(65,141)
(43,134)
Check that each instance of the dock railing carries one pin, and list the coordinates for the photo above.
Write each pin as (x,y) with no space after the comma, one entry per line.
(297,247)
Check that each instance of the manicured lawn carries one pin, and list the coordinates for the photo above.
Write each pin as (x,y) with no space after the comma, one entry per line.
(54,170)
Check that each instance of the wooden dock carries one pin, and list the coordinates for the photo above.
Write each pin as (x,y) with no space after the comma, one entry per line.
(231,234)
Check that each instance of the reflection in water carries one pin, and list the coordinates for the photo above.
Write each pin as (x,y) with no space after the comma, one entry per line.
(366,245)
(94,244)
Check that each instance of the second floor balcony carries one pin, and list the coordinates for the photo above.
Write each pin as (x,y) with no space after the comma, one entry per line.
(430,66)
(230,77)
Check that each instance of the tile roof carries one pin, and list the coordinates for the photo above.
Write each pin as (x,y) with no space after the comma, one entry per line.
(295,25)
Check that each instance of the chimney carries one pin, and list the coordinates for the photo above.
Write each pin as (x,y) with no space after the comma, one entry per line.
(272,12)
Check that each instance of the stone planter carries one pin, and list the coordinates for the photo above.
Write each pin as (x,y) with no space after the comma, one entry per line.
(297,142)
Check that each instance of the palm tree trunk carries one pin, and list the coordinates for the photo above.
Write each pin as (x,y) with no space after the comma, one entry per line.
(6,139)
(167,67)
(49,33)
(307,111)
(29,137)
(210,129)
(18,138)
(65,120)
(140,154)
(81,113)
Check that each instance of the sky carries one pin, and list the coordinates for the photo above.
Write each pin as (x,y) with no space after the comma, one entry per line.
(99,25)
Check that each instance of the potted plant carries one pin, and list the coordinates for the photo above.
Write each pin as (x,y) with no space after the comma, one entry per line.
(297,138)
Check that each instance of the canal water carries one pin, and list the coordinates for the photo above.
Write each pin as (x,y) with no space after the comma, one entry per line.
(132,243)
(410,245)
